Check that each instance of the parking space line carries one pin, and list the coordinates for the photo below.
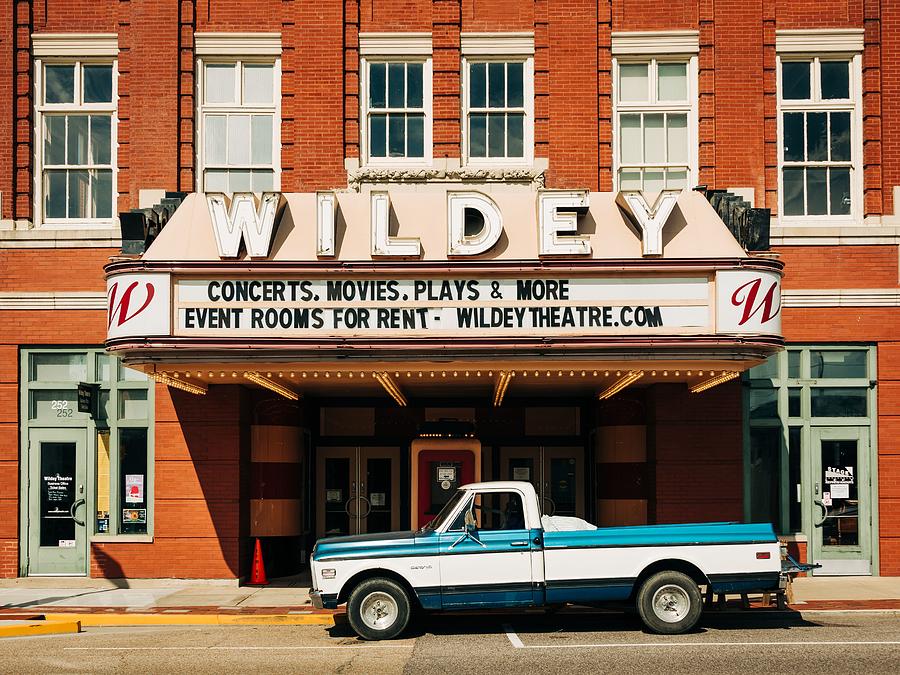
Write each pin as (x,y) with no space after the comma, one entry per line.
(237,648)
(513,638)
(642,645)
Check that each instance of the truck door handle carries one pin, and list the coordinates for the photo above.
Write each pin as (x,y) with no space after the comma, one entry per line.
(519,543)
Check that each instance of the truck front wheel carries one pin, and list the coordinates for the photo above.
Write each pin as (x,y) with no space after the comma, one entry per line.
(669,603)
(378,609)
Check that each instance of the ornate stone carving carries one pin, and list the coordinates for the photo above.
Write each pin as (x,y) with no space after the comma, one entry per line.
(355,179)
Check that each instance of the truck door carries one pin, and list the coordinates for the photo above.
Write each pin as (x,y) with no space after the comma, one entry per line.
(490,565)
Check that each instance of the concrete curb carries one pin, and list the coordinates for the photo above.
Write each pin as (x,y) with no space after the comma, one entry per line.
(47,627)
(131,619)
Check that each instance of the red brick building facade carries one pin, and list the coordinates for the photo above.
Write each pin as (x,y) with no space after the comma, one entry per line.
(841,288)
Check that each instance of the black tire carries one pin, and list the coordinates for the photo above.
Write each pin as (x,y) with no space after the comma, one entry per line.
(378,609)
(669,603)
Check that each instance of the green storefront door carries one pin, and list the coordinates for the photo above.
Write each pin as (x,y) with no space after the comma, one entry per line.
(57,537)
(841,508)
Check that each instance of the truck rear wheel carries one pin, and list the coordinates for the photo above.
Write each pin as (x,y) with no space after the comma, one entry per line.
(378,609)
(669,603)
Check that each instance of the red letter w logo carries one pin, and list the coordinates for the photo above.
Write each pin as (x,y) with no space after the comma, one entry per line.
(118,312)
(750,305)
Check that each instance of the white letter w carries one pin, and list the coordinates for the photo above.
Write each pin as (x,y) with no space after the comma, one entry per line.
(244,219)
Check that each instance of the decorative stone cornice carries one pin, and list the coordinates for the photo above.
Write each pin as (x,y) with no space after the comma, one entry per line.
(358,177)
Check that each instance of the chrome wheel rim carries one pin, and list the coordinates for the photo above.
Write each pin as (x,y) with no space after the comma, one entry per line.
(378,610)
(671,603)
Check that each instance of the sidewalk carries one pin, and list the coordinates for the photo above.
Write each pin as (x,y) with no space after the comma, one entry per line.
(286,600)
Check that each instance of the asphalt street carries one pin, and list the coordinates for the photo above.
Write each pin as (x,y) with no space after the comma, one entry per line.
(595,643)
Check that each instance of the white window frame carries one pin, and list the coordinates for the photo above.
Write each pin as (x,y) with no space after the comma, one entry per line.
(427,108)
(652,106)
(42,109)
(236,108)
(502,48)
(853,105)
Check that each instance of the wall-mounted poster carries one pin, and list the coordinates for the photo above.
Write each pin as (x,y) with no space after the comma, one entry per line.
(134,488)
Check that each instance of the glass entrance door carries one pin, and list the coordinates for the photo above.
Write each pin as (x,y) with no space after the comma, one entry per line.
(357,490)
(841,508)
(556,473)
(57,537)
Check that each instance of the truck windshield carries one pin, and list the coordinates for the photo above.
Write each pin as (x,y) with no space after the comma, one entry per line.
(444,512)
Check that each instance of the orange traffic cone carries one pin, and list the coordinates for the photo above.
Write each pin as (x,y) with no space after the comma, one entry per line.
(258,571)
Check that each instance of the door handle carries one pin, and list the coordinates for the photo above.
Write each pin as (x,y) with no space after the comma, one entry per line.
(518,543)
(72,508)
(824,512)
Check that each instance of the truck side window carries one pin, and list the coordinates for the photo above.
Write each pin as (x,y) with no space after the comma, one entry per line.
(499,511)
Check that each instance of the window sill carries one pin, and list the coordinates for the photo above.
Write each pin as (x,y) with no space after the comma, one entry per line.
(48,236)
(122,539)
(834,234)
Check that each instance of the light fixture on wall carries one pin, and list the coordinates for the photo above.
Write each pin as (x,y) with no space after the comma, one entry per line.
(199,388)
(725,376)
(613,389)
(504,376)
(271,385)
(391,388)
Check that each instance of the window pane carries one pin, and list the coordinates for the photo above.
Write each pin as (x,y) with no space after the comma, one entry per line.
(377,85)
(57,367)
(77,141)
(795,80)
(630,141)
(396,85)
(132,404)
(794,402)
(633,82)
(378,136)
(839,191)
(478,85)
(262,181)
(54,404)
(654,180)
(414,85)
(838,363)
(219,83)
(496,85)
(676,179)
(763,404)
(55,139)
(515,85)
(477,135)
(261,139)
(259,83)
(629,180)
(793,137)
(97,84)
(101,139)
(104,368)
(839,401)
(793,364)
(101,194)
(396,135)
(835,79)
(239,181)
(415,136)
(765,475)
(59,84)
(793,192)
(654,139)
(239,139)
(816,192)
(816,137)
(767,370)
(672,82)
(515,131)
(677,139)
(79,186)
(102,487)
(55,199)
(133,481)
(496,135)
(214,142)
(215,181)
(795,500)
(840,136)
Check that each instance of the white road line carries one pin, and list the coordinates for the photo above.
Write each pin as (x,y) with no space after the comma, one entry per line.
(513,638)
(642,645)
(235,649)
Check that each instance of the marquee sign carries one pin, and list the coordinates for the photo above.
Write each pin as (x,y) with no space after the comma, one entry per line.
(727,301)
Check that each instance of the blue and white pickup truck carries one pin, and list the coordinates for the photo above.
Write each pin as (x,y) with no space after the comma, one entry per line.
(489,547)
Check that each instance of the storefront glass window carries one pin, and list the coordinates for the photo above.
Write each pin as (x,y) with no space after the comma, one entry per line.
(839,402)
(133,481)
(763,403)
(765,475)
(837,364)
(794,401)
(793,364)
(53,367)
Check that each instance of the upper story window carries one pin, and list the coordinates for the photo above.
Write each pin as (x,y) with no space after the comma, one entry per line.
(655,123)
(818,124)
(239,125)
(498,99)
(397,111)
(76,125)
